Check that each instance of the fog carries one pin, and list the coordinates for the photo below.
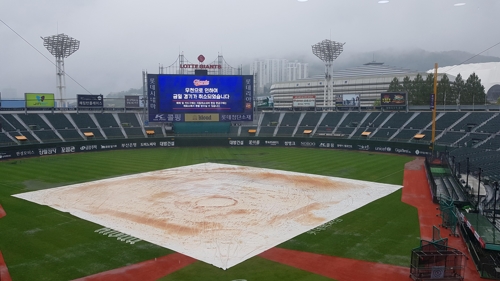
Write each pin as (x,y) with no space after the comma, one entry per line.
(120,39)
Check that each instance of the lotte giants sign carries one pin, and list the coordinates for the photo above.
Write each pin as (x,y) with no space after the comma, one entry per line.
(201,59)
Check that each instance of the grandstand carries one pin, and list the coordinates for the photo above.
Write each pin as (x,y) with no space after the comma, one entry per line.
(471,135)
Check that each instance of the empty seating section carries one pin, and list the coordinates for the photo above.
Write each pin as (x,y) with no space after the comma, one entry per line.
(113,133)
(106,120)
(6,125)
(380,119)
(129,118)
(472,139)
(420,121)
(5,140)
(59,121)
(70,134)
(331,119)
(448,119)
(405,135)
(134,132)
(285,131)
(47,136)
(449,137)
(487,160)
(492,144)
(492,126)
(83,120)
(270,119)
(353,119)
(345,131)
(311,119)
(266,131)
(398,120)
(290,119)
(13,121)
(329,123)
(383,133)
(473,120)
(34,121)
(370,119)
(428,135)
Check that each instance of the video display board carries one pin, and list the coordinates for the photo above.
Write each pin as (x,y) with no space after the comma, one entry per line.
(39,100)
(393,100)
(184,98)
(347,100)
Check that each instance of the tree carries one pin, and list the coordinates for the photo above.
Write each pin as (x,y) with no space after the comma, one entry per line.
(408,88)
(444,91)
(475,93)
(419,95)
(395,86)
(457,89)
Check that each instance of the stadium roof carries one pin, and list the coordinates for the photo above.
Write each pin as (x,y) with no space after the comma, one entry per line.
(488,72)
(369,69)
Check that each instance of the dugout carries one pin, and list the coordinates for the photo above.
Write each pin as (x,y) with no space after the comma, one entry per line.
(435,261)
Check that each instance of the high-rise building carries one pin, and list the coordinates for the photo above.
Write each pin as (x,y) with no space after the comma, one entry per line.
(271,71)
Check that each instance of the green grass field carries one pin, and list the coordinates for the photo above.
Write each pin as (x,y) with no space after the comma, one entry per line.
(40,243)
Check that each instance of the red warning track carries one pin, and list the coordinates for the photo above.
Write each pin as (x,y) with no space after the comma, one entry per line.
(416,192)
(337,268)
(4,272)
(144,271)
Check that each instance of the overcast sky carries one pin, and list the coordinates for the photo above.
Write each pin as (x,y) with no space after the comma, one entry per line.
(120,38)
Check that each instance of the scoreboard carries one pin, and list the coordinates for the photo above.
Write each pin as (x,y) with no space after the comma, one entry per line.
(193,98)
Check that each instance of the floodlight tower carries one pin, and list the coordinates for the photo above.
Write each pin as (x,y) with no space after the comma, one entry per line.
(328,51)
(61,46)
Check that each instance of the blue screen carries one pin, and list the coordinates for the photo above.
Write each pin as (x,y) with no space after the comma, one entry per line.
(200,94)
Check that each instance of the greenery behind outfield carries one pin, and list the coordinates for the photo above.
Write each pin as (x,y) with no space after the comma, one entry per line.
(40,243)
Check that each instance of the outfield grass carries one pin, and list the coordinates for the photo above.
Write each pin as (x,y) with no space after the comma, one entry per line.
(40,243)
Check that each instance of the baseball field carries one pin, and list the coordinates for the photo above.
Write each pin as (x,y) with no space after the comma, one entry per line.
(41,242)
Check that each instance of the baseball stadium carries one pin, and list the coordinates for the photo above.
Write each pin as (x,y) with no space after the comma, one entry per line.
(201,185)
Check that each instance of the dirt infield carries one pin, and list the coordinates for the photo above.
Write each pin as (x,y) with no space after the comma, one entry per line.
(2,212)
(416,192)
(341,269)
(145,271)
(4,272)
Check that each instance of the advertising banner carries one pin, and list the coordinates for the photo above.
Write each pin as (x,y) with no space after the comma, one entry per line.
(90,100)
(201,117)
(39,100)
(432,101)
(132,102)
(304,101)
(347,100)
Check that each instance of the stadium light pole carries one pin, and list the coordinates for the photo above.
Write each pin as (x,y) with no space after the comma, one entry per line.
(328,51)
(61,46)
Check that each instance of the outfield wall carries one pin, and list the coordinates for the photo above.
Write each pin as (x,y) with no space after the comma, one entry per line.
(33,150)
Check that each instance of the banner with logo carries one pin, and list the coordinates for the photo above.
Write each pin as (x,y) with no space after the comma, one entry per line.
(39,100)
(90,100)
(393,100)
